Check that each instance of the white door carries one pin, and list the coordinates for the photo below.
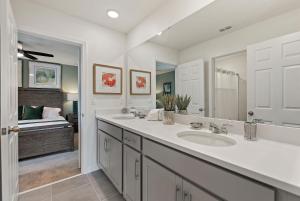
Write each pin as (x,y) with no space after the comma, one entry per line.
(190,81)
(131,172)
(273,80)
(9,104)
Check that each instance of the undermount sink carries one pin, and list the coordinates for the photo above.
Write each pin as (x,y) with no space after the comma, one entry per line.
(123,116)
(205,138)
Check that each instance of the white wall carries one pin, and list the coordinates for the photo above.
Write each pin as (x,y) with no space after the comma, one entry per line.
(102,46)
(238,41)
(164,17)
(144,57)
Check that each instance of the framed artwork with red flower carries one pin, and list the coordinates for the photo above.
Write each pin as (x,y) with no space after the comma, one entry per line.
(107,79)
(140,82)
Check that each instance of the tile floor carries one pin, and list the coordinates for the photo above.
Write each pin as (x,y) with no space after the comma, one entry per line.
(44,170)
(91,187)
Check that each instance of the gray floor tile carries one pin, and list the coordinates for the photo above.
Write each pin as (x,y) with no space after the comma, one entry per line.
(69,184)
(115,198)
(43,194)
(82,193)
(103,187)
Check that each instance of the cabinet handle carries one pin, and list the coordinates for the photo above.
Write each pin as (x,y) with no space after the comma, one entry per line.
(136,173)
(187,196)
(127,139)
(177,191)
(105,145)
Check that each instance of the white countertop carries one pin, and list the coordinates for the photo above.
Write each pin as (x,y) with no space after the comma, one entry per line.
(270,162)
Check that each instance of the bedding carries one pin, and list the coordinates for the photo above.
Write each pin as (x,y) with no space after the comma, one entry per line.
(35,123)
(51,112)
(30,112)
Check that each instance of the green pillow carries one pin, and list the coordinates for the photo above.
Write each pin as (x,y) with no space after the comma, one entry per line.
(32,112)
(20,112)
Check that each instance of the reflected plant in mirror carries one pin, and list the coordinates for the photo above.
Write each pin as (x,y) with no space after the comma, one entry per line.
(182,103)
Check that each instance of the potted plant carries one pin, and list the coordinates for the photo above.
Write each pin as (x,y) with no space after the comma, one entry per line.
(168,102)
(182,103)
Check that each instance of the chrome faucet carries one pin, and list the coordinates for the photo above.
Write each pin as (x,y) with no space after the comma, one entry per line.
(214,128)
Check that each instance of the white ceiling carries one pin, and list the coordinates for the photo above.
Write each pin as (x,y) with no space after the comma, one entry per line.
(63,53)
(205,24)
(132,12)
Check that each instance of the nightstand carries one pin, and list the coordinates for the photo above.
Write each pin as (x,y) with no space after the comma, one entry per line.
(73,119)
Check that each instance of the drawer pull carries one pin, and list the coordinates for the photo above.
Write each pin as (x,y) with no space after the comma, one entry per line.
(127,139)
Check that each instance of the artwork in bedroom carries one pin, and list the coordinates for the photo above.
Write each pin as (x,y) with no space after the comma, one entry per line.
(44,75)
(107,79)
(140,82)
(167,88)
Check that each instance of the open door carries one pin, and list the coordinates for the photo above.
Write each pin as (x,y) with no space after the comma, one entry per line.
(190,81)
(9,104)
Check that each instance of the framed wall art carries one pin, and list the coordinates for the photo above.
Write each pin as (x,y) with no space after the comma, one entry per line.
(167,88)
(107,79)
(140,82)
(44,75)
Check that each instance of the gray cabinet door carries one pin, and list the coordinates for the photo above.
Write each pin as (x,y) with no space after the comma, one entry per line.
(131,172)
(159,184)
(194,193)
(102,150)
(115,162)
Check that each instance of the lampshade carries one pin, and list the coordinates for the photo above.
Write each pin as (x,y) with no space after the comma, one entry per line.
(72,96)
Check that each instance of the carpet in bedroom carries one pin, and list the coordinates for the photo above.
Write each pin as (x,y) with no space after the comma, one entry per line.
(44,170)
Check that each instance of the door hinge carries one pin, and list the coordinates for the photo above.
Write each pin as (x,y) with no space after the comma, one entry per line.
(3,131)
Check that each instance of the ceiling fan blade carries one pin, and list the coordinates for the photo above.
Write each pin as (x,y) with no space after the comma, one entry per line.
(29,56)
(38,53)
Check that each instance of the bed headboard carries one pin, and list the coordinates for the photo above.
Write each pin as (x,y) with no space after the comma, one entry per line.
(37,97)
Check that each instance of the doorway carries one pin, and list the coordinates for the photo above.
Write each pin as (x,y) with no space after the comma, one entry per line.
(49,144)
(165,81)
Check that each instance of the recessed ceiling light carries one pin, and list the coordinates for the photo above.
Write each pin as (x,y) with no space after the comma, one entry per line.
(113,14)
(159,33)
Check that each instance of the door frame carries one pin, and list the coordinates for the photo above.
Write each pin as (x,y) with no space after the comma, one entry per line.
(212,80)
(82,85)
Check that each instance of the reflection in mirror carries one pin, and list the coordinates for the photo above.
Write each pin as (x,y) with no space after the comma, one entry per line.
(165,81)
(231,86)
(238,60)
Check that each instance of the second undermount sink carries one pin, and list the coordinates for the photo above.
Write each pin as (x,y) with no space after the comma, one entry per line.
(123,116)
(205,138)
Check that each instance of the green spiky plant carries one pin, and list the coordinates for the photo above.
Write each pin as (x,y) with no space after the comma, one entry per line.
(182,102)
(169,102)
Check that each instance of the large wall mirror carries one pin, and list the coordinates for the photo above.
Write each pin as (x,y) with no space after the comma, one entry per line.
(238,60)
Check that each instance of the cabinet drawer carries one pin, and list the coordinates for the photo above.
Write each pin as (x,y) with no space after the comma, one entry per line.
(132,140)
(110,129)
(223,183)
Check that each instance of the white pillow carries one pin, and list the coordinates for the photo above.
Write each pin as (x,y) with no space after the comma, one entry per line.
(51,112)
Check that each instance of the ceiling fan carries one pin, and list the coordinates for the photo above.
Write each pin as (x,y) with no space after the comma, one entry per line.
(29,54)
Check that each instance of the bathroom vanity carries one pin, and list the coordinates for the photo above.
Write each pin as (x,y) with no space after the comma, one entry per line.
(149,161)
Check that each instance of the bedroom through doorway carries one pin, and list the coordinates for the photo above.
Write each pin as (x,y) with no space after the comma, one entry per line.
(48,108)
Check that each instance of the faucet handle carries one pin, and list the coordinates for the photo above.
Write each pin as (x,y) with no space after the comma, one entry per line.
(224,128)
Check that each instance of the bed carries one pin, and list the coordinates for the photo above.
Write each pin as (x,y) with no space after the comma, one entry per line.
(40,137)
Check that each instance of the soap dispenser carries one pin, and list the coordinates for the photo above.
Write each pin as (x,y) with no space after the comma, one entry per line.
(250,129)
